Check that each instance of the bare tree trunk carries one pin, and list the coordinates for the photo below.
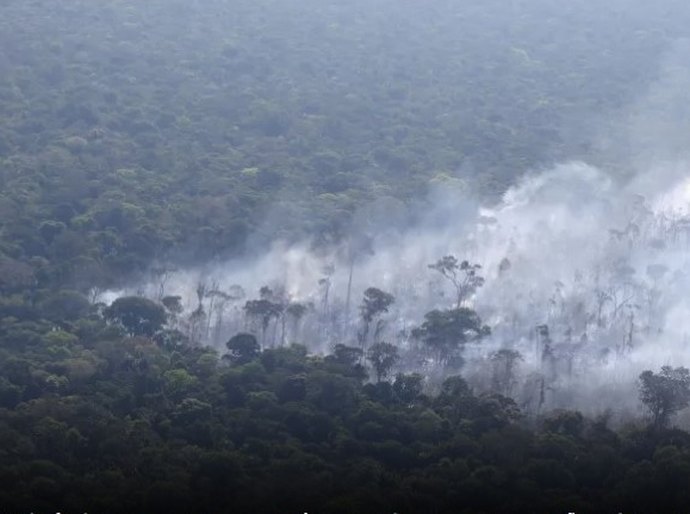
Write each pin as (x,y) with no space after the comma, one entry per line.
(208,320)
(348,297)
(275,333)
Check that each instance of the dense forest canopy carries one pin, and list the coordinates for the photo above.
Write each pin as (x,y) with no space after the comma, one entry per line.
(344,256)
(132,131)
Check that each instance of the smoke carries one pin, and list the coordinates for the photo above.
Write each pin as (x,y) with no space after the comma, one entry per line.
(586,270)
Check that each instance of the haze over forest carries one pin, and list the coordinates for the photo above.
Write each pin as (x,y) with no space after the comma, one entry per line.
(344,256)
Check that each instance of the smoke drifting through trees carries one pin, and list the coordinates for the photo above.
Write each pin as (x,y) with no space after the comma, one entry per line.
(580,276)
(582,285)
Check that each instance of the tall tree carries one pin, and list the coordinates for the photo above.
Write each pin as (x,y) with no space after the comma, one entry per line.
(296,311)
(357,246)
(445,332)
(265,310)
(504,363)
(665,393)
(382,357)
(138,316)
(242,348)
(464,277)
(374,304)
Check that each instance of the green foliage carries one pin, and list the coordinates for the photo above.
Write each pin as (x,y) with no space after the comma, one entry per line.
(375,303)
(665,393)
(138,316)
(464,276)
(408,388)
(383,357)
(178,382)
(243,348)
(445,332)
(263,310)
(121,144)
(64,305)
(203,435)
(346,360)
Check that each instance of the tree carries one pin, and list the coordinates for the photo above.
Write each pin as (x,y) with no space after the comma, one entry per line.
(445,332)
(178,382)
(15,275)
(455,400)
(375,303)
(222,300)
(665,393)
(345,360)
(464,276)
(408,387)
(161,274)
(242,348)
(504,364)
(296,311)
(65,305)
(139,316)
(356,246)
(325,284)
(171,339)
(345,355)
(383,357)
(173,304)
(265,310)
